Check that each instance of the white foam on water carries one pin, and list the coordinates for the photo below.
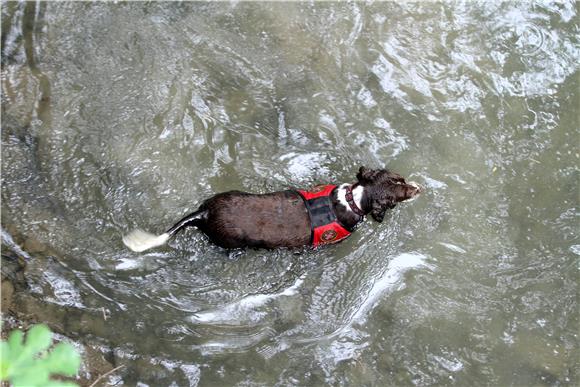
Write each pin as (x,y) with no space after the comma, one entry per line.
(192,373)
(398,266)
(453,247)
(365,96)
(235,343)
(301,166)
(128,264)
(243,309)
(131,262)
(64,291)
(434,184)
(452,364)
(8,241)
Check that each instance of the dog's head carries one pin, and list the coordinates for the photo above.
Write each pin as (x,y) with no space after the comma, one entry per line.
(384,189)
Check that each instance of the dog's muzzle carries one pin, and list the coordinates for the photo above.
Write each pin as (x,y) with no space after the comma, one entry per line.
(418,191)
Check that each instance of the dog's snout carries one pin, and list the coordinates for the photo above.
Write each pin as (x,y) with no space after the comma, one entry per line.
(413,191)
(417,187)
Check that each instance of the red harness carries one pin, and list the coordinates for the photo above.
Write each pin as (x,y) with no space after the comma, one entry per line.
(324,225)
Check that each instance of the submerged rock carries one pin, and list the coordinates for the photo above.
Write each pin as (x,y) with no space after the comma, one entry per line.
(33,245)
(12,279)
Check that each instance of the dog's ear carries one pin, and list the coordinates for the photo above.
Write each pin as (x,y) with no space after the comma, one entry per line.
(366,175)
(381,204)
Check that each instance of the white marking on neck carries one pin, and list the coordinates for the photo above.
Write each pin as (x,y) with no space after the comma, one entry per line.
(357,195)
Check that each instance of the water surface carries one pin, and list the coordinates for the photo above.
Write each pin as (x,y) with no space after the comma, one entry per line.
(118,115)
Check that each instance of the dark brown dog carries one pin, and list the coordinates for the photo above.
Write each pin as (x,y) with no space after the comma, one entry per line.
(290,218)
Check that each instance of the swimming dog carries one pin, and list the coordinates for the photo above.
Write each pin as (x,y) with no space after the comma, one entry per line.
(291,218)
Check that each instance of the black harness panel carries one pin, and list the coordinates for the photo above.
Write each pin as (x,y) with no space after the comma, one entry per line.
(320,211)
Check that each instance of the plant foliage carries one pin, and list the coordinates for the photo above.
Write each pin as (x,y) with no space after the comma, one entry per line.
(30,363)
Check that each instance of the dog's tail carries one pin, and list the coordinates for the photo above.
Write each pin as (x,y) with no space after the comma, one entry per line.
(139,240)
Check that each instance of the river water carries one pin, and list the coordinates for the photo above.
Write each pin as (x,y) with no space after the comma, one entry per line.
(123,115)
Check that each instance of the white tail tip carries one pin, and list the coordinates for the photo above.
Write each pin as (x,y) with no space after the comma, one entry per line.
(139,240)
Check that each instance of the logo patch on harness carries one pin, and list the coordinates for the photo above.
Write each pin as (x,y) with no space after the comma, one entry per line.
(318,189)
(328,235)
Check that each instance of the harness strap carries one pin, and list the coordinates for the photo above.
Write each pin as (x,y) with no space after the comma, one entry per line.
(351,203)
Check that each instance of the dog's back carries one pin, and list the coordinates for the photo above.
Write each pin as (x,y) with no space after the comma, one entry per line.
(239,219)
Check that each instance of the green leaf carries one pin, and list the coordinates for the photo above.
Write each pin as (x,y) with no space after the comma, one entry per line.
(38,339)
(15,343)
(36,376)
(63,360)
(30,363)
(4,363)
